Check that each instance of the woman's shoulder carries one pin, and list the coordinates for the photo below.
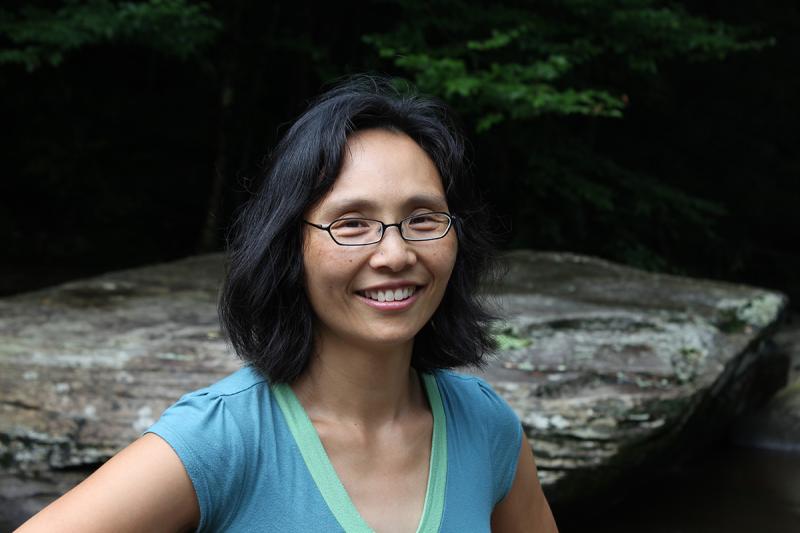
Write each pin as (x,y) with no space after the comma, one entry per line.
(468,386)
(472,394)
(212,412)
(243,382)
(484,427)
(212,430)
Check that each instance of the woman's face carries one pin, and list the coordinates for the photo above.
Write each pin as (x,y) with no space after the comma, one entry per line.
(385,176)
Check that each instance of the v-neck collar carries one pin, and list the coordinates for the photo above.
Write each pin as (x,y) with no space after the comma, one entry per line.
(328,482)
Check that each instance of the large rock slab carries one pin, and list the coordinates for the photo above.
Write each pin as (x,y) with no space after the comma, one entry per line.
(609,368)
(615,370)
(86,366)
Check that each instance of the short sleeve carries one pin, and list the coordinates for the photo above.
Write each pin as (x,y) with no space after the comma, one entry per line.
(505,437)
(208,442)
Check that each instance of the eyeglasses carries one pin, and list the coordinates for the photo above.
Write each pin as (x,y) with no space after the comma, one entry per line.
(363,231)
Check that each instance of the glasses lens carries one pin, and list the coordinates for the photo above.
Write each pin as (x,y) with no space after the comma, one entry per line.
(425,226)
(356,231)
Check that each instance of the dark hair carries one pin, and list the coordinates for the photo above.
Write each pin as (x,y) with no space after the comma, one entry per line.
(264,308)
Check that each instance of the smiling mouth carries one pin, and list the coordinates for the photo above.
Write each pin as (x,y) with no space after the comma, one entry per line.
(389,295)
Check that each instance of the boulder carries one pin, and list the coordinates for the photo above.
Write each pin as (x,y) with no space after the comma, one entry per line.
(86,366)
(615,371)
(611,369)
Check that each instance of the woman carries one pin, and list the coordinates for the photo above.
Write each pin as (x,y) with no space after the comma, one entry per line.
(352,284)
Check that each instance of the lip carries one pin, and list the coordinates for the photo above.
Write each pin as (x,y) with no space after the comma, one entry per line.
(397,305)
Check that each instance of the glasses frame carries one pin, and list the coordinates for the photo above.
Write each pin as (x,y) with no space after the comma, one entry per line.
(327,228)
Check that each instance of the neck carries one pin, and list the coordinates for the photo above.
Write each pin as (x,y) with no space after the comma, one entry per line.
(364,386)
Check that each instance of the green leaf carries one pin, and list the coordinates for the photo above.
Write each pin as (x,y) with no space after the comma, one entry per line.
(41,36)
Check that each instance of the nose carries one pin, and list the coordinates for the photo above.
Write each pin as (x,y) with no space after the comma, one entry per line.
(393,252)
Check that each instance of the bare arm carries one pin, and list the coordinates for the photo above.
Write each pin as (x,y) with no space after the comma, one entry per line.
(142,488)
(524,509)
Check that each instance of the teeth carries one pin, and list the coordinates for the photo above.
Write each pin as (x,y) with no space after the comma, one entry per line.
(390,295)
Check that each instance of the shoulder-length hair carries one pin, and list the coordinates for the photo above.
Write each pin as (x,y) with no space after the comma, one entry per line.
(263,307)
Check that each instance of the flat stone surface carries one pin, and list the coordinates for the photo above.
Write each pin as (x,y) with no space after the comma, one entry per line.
(609,368)
(86,366)
(616,368)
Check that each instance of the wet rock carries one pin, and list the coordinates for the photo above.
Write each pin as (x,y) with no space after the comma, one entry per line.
(609,368)
(776,426)
(787,341)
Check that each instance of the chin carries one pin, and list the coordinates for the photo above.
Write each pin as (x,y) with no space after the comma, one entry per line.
(390,339)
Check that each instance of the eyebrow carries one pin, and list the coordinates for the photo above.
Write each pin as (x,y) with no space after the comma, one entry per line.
(355,204)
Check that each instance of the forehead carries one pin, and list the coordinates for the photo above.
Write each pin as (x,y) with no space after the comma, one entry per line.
(384,171)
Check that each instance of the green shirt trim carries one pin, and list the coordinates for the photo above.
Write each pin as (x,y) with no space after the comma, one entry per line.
(328,482)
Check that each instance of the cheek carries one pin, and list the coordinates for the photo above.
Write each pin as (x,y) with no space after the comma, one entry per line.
(442,261)
(327,269)
(448,257)
(315,260)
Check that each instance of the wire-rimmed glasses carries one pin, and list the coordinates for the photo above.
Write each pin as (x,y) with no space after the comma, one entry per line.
(354,231)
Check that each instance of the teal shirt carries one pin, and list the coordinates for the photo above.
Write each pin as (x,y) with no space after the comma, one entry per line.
(257,464)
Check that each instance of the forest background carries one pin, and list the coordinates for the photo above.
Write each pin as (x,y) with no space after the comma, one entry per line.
(657,134)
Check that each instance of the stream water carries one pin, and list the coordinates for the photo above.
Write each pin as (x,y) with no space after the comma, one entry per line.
(729,490)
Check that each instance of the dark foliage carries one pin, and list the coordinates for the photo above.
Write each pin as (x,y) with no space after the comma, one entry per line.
(133,150)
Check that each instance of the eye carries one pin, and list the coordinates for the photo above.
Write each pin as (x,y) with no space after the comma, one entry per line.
(351,227)
(426,225)
(352,223)
(426,221)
